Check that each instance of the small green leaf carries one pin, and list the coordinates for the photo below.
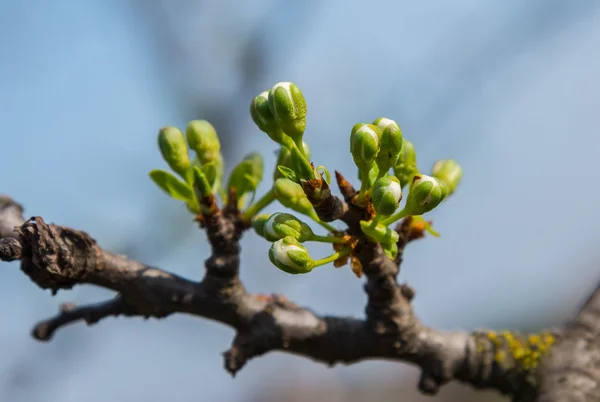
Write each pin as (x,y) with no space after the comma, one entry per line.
(325,171)
(245,177)
(287,173)
(301,165)
(172,185)
(201,185)
(193,207)
(210,171)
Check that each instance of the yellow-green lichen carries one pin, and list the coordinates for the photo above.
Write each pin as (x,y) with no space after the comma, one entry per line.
(522,352)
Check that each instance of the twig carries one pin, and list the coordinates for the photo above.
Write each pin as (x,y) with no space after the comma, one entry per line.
(69,314)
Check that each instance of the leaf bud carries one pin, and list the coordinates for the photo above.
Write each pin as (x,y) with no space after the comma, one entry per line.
(288,106)
(290,256)
(391,143)
(425,194)
(203,139)
(258,224)
(386,195)
(281,224)
(406,165)
(174,150)
(364,145)
(449,172)
(263,117)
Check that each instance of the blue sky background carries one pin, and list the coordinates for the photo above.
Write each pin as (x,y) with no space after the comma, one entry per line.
(510,89)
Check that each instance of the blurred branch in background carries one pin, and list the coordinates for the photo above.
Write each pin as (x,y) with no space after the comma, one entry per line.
(211,60)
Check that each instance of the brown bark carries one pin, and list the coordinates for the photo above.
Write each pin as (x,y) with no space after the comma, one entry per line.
(57,257)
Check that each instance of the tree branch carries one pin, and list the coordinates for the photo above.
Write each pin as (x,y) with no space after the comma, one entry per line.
(69,313)
(56,257)
(572,370)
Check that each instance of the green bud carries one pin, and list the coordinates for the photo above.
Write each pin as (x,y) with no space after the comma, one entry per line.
(449,172)
(386,195)
(284,159)
(390,250)
(425,194)
(379,233)
(258,224)
(174,150)
(246,176)
(406,165)
(290,256)
(391,143)
(288,106)
(292,196)
(364,145)
(203,139)
(281,224)
(263,117)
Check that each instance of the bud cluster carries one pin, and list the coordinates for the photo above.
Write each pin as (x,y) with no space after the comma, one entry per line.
(281,113)
(202,175)
(287,232)
(385,160)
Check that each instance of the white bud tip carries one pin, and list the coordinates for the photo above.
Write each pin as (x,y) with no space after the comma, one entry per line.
(368,130)
(384,122)
(396,189)
(269,230)
(280,252)
(423,179)
(284,85)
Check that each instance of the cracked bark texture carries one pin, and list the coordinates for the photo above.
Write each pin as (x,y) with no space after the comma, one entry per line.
(56,257)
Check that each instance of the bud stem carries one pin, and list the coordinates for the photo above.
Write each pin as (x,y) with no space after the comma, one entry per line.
(381,173)
(376,220)
(286,141)
(364,187)
(327,239)
(259,205)
(332,257)
(327,226)
(300,145)
(395,217)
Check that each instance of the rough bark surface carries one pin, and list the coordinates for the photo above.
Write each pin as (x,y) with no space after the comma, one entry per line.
(545,367)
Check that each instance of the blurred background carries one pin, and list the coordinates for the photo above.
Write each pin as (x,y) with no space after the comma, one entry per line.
(510,89)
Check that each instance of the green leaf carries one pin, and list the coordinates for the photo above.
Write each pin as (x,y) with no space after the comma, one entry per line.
(193,207)
(201,185)
(246,176)
(301,165)
(172,185)
(287,173)
(210,171)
